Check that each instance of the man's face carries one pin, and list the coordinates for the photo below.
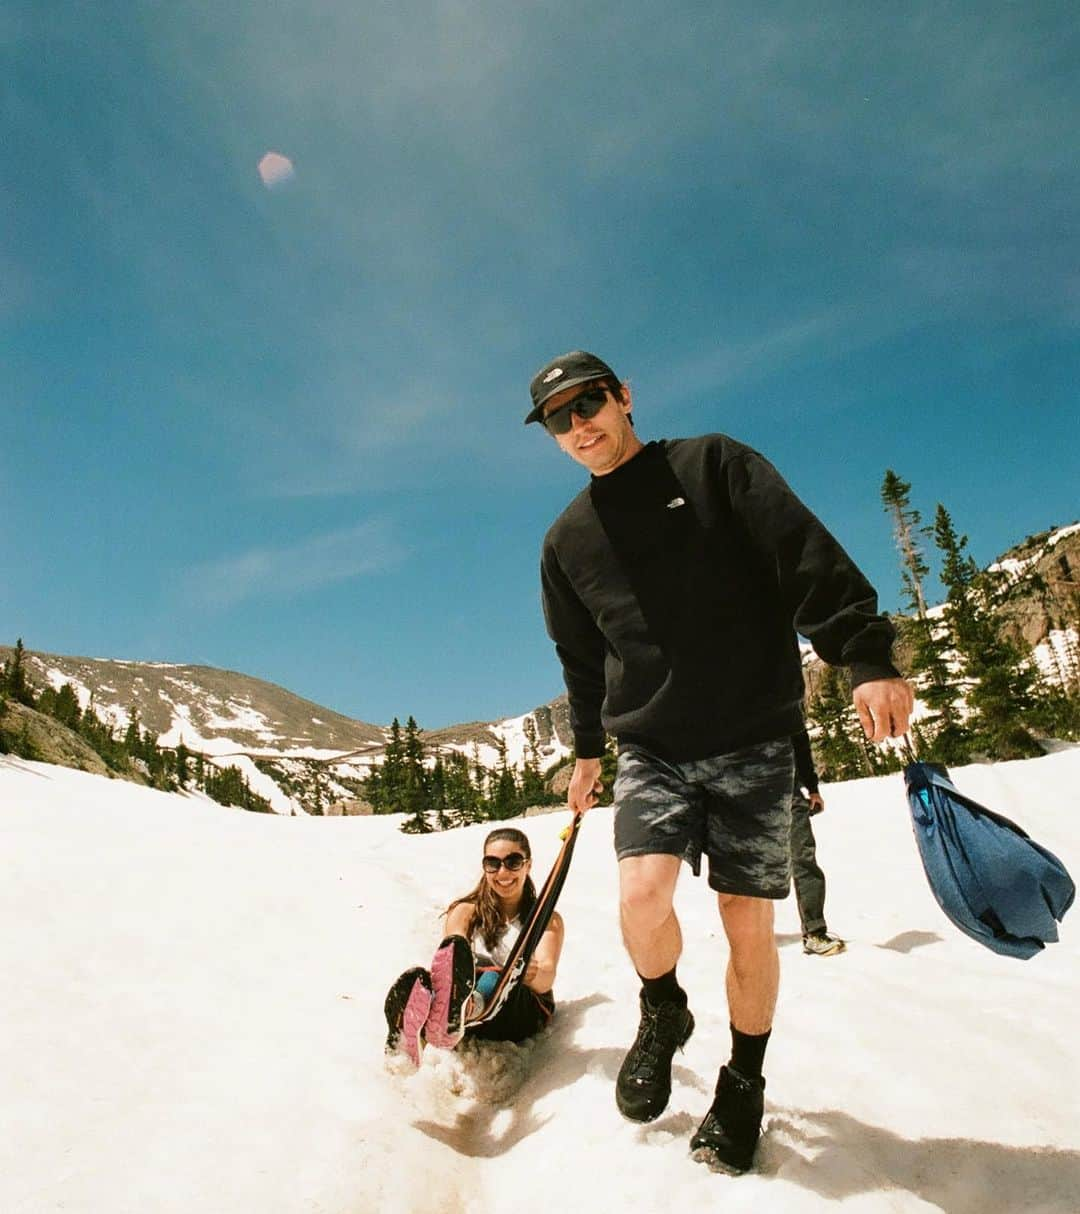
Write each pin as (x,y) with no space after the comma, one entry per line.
(602,442)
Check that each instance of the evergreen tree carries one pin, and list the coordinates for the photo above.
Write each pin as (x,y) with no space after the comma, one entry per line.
(481,779)
(907,527)
(315,800)
(62,705)
(462,798)
(414,780)
(839,741)
(13,677)
(391,782)
(133,734)
(504,789)
(183,762)
(229,786)
(1001,679)
(532,782)
(437,793)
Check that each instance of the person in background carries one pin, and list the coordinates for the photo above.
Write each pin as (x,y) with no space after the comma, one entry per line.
(673,587)
(806,873)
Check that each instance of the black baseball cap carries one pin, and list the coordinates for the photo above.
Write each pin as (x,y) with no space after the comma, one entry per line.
(567,371)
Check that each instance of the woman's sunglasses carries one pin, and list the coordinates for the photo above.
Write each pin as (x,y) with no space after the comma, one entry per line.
(511,863)
(587,405)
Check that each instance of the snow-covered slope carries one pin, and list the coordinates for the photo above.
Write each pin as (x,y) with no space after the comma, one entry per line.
(191,1021)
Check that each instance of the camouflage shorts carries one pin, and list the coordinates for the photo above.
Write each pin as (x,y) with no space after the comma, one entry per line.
(735,808)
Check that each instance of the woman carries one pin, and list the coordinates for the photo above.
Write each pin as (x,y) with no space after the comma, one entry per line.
(479,930)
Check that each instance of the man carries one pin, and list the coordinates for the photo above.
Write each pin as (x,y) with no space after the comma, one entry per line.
(673,587)
(809,879)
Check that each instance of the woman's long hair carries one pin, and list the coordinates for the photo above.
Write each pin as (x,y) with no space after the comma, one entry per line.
(487,915)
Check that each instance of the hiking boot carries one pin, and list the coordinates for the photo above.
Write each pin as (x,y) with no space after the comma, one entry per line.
(453,972)
(644,1084)
(726,1139)
(407,1005)
(821,944)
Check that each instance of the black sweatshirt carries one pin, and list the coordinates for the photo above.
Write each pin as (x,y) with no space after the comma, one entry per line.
(673,588)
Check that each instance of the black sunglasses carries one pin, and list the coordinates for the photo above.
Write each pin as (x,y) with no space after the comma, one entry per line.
(511,863)
(587,404)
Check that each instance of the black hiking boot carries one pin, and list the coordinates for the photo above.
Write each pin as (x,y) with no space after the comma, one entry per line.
(644,1084)
(726,1139)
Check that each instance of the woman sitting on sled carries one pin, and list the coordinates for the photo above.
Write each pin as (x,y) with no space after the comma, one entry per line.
(479,929)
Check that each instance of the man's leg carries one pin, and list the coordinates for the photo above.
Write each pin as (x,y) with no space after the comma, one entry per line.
(729,1134)
(749,849)
(650,927)
(654,941)
(753,972)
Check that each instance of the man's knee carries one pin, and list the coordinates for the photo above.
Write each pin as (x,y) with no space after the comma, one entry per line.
(647,889)
(747,921)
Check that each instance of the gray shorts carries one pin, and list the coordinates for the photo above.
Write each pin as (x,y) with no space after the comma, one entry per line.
(735,808)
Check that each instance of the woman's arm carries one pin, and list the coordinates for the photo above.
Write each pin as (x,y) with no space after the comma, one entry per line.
(458,920)
(540,972)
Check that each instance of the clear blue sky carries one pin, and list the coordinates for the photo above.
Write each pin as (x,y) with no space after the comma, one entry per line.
(280,430)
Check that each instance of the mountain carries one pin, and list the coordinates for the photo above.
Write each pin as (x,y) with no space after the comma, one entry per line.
(276,738)
(273,736)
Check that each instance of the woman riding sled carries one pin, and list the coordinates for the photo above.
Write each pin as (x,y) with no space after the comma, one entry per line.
(434,1006)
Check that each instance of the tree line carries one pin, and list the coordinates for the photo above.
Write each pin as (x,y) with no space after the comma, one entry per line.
(133,749)
(449,788)
(984,694)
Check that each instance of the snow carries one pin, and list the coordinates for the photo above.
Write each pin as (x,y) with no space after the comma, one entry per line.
(1016,567)
(191,1020)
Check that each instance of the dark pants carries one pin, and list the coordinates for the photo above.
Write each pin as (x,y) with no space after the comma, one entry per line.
(809,879)
(523,1015)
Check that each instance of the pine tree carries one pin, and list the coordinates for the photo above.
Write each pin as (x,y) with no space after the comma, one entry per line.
(13,677)
(532,782)
(183,759)
(942,733)
(437,793)
(839,740)
(316,804)
(481,781)
(907,527)
(504,793)
(392,772)
(1001,680)
(414,791)
(65,707)
(133,734)
(462,799)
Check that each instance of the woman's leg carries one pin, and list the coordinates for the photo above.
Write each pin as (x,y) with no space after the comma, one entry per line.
(522,1016)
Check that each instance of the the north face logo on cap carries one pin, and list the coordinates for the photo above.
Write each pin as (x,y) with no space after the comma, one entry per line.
(554,373)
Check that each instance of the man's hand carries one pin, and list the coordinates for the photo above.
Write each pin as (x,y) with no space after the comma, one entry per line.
(585,785)
(884,707)
(816,802)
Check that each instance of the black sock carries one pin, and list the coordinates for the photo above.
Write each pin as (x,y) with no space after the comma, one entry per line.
(748,1053)
(665,989)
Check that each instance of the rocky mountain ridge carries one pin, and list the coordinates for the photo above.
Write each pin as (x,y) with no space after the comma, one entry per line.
(275,736)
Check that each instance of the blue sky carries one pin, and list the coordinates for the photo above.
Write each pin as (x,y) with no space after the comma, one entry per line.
(280,430)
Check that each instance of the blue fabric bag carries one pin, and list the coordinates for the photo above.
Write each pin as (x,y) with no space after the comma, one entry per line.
(994,882)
